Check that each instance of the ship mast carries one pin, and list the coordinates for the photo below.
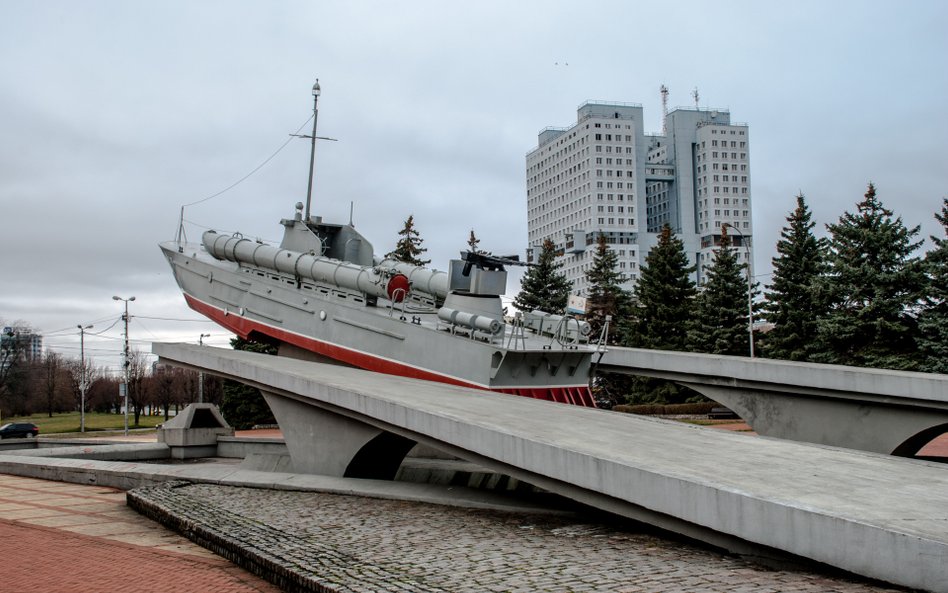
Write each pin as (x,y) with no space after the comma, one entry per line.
(312,154)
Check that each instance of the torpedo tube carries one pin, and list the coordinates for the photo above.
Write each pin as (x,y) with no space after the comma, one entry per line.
(375,281)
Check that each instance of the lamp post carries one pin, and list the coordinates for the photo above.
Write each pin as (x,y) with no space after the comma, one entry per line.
(82,376)
(750,288)
(201,373)
(126,361)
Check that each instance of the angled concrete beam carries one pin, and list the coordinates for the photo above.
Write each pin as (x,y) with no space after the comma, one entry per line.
(892,412)
(874,515)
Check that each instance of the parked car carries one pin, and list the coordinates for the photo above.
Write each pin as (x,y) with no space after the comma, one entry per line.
(18,430)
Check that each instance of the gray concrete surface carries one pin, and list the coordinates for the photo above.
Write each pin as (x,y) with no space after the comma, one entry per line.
(194,431)
(130,475)
(870,514)
(99,451)
(877,410)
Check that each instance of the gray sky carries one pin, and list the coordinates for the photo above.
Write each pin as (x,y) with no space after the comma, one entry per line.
(114,114)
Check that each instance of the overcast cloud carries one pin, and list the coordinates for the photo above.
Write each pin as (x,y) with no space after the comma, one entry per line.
(114,114)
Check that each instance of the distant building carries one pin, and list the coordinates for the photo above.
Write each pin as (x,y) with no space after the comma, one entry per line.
(605,175)
(17,345)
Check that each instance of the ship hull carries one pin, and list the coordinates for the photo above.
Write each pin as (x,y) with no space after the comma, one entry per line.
(253,303)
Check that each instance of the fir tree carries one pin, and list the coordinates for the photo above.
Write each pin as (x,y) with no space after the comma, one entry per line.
(243,406)
(408,249)
(664,300)
(473,242)
(933,320)
(873,285)
(544,287)
(720,322)
(664,296)
(795,301)
(606,296)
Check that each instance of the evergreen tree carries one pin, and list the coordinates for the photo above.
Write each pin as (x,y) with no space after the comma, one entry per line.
(408,248)
(243,406)
(544,287)
(795,300)
(874,285)
(720,323)
(606,296)
(664,296)
(933,320)
(473,242)
(664,300)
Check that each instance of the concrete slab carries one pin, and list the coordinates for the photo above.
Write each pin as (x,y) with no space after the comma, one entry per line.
(128,475)
(871,514)
(878,410)
(28,513)
(62,520)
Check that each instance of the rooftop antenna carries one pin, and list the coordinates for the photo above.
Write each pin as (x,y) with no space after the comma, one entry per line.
(351,206)
(664,91)
(694,94)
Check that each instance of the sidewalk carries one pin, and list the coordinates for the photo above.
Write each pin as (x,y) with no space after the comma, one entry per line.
(73,538)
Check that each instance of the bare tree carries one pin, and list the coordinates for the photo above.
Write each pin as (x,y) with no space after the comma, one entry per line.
(52,370)
(137,386)
(103,394)
(173,386)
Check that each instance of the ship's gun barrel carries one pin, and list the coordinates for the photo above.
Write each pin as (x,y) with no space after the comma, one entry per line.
(423,279)
(486,261)
(370,280)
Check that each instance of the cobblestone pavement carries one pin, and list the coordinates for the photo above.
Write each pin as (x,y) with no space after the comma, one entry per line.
(351,544)
(65,538)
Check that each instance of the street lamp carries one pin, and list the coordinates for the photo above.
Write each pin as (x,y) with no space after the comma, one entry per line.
(201,373)
(82,376)
(126,361)
(750,288)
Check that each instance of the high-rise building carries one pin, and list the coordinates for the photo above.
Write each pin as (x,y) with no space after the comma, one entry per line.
(16,344)
(605,175)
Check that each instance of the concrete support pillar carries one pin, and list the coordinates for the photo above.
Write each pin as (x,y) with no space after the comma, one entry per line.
(866,425)
(323,442)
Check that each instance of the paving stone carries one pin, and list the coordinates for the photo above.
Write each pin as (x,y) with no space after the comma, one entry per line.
(347,544)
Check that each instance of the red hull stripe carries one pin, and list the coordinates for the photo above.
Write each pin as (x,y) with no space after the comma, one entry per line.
(577,395)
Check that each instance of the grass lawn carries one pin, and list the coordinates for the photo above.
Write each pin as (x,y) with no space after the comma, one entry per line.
(95,421)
